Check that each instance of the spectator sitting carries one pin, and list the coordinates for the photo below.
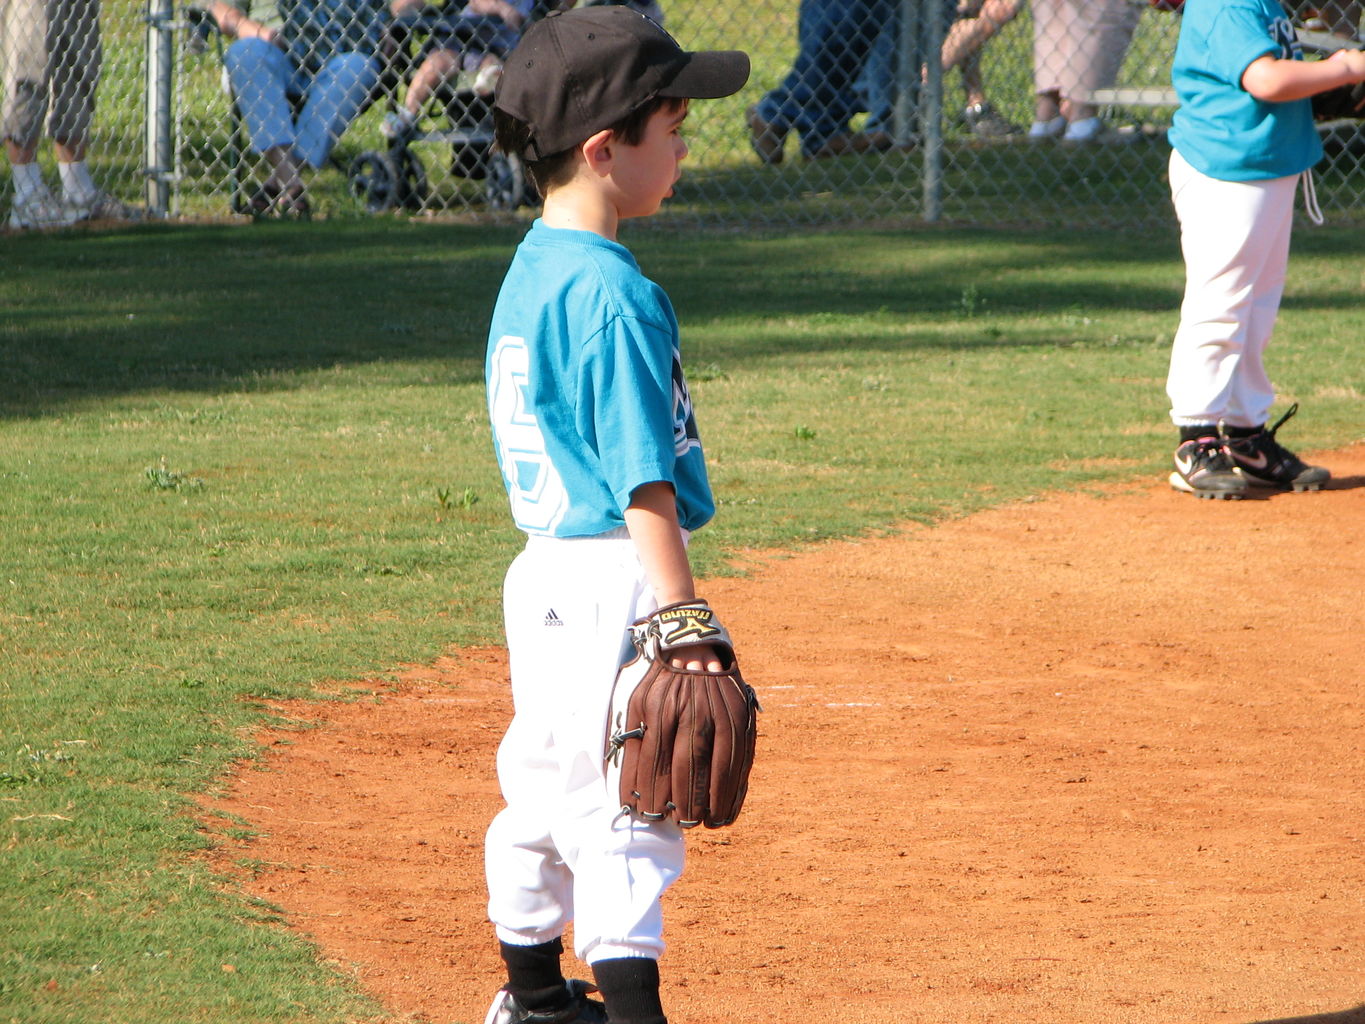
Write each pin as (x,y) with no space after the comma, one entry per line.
(324,53)
(469,48)
(52,56)
(817,98)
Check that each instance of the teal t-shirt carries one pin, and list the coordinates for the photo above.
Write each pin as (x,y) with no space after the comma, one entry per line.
(1220,128)
(586,393)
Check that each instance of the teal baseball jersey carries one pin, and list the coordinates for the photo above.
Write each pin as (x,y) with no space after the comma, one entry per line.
(586,394)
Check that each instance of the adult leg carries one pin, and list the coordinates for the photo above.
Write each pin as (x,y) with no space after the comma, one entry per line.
(335,97)
(778,111)
(75,60)
(1052,50)
(262,80)
(23,56)
(261,76)
(967,35)
(1102,30)
(816,98)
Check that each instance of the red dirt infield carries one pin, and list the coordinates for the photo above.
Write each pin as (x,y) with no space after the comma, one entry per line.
(1084,759)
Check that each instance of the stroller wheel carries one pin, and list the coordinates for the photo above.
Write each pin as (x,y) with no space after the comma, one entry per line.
(505,187)
(412,179)
(374,180)
(383,181)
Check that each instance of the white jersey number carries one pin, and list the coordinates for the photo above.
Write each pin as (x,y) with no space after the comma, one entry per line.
(535,487)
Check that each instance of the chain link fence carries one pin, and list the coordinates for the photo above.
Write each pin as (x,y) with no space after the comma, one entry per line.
(71,103)
(1052,112)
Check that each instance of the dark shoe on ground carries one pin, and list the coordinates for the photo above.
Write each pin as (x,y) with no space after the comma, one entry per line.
(985,122)
(580,1009)
(1265,462)
(765,138)
(1204,468)
(271,198)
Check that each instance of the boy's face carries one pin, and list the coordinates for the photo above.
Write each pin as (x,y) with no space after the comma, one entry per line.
(644,174)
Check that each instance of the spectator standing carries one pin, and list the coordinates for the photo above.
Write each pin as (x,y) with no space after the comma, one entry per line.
(1078,47)
(977,22)
(52,56)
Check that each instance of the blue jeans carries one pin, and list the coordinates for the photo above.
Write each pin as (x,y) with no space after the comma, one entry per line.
(265,81)
(834,39)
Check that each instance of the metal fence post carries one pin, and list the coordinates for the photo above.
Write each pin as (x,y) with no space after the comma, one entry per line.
(931,105)
(159,154)
(905,112)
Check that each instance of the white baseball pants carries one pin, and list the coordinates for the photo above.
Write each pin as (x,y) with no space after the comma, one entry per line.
(1235,239)
(562,850)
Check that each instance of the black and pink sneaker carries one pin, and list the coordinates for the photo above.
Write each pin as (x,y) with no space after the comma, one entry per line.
(1204,468)
(1263,461)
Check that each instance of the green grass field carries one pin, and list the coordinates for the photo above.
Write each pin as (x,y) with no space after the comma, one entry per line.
(247,462)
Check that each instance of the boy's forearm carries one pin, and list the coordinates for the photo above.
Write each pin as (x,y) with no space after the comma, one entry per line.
(652,522)
(1282,81)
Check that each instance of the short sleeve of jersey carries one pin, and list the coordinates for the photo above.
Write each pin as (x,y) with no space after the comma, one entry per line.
(625,402)
(1220,128)
(1236,37)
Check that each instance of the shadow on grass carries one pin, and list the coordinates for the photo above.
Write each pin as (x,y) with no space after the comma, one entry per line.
(229,307)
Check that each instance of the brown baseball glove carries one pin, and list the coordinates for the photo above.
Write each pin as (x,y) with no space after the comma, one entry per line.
(1346,101)
(680,742)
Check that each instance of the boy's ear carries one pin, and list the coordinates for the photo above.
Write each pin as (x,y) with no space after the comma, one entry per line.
(598,151)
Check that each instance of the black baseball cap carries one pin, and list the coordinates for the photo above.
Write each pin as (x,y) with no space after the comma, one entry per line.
(579,71)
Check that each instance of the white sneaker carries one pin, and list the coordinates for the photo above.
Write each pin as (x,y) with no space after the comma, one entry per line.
(1047,129)
(41,211)
(398,124)
(1087,129)
(486,81)
(102,206)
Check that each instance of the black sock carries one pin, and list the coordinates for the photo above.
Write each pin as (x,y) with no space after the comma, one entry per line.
(533,975)
(630,988)
(1198,430)
(1243,431)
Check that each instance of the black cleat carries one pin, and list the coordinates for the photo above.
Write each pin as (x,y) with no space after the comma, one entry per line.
(1265,462)
(1204,468)
(579,1010)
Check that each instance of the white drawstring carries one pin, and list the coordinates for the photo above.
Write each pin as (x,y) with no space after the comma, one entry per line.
(1310,198)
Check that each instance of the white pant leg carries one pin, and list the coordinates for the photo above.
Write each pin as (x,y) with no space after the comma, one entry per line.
(1235,239)
(561,850)
(23,71)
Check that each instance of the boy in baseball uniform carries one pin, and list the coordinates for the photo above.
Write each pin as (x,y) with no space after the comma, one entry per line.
(1242,138)
(598,446)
